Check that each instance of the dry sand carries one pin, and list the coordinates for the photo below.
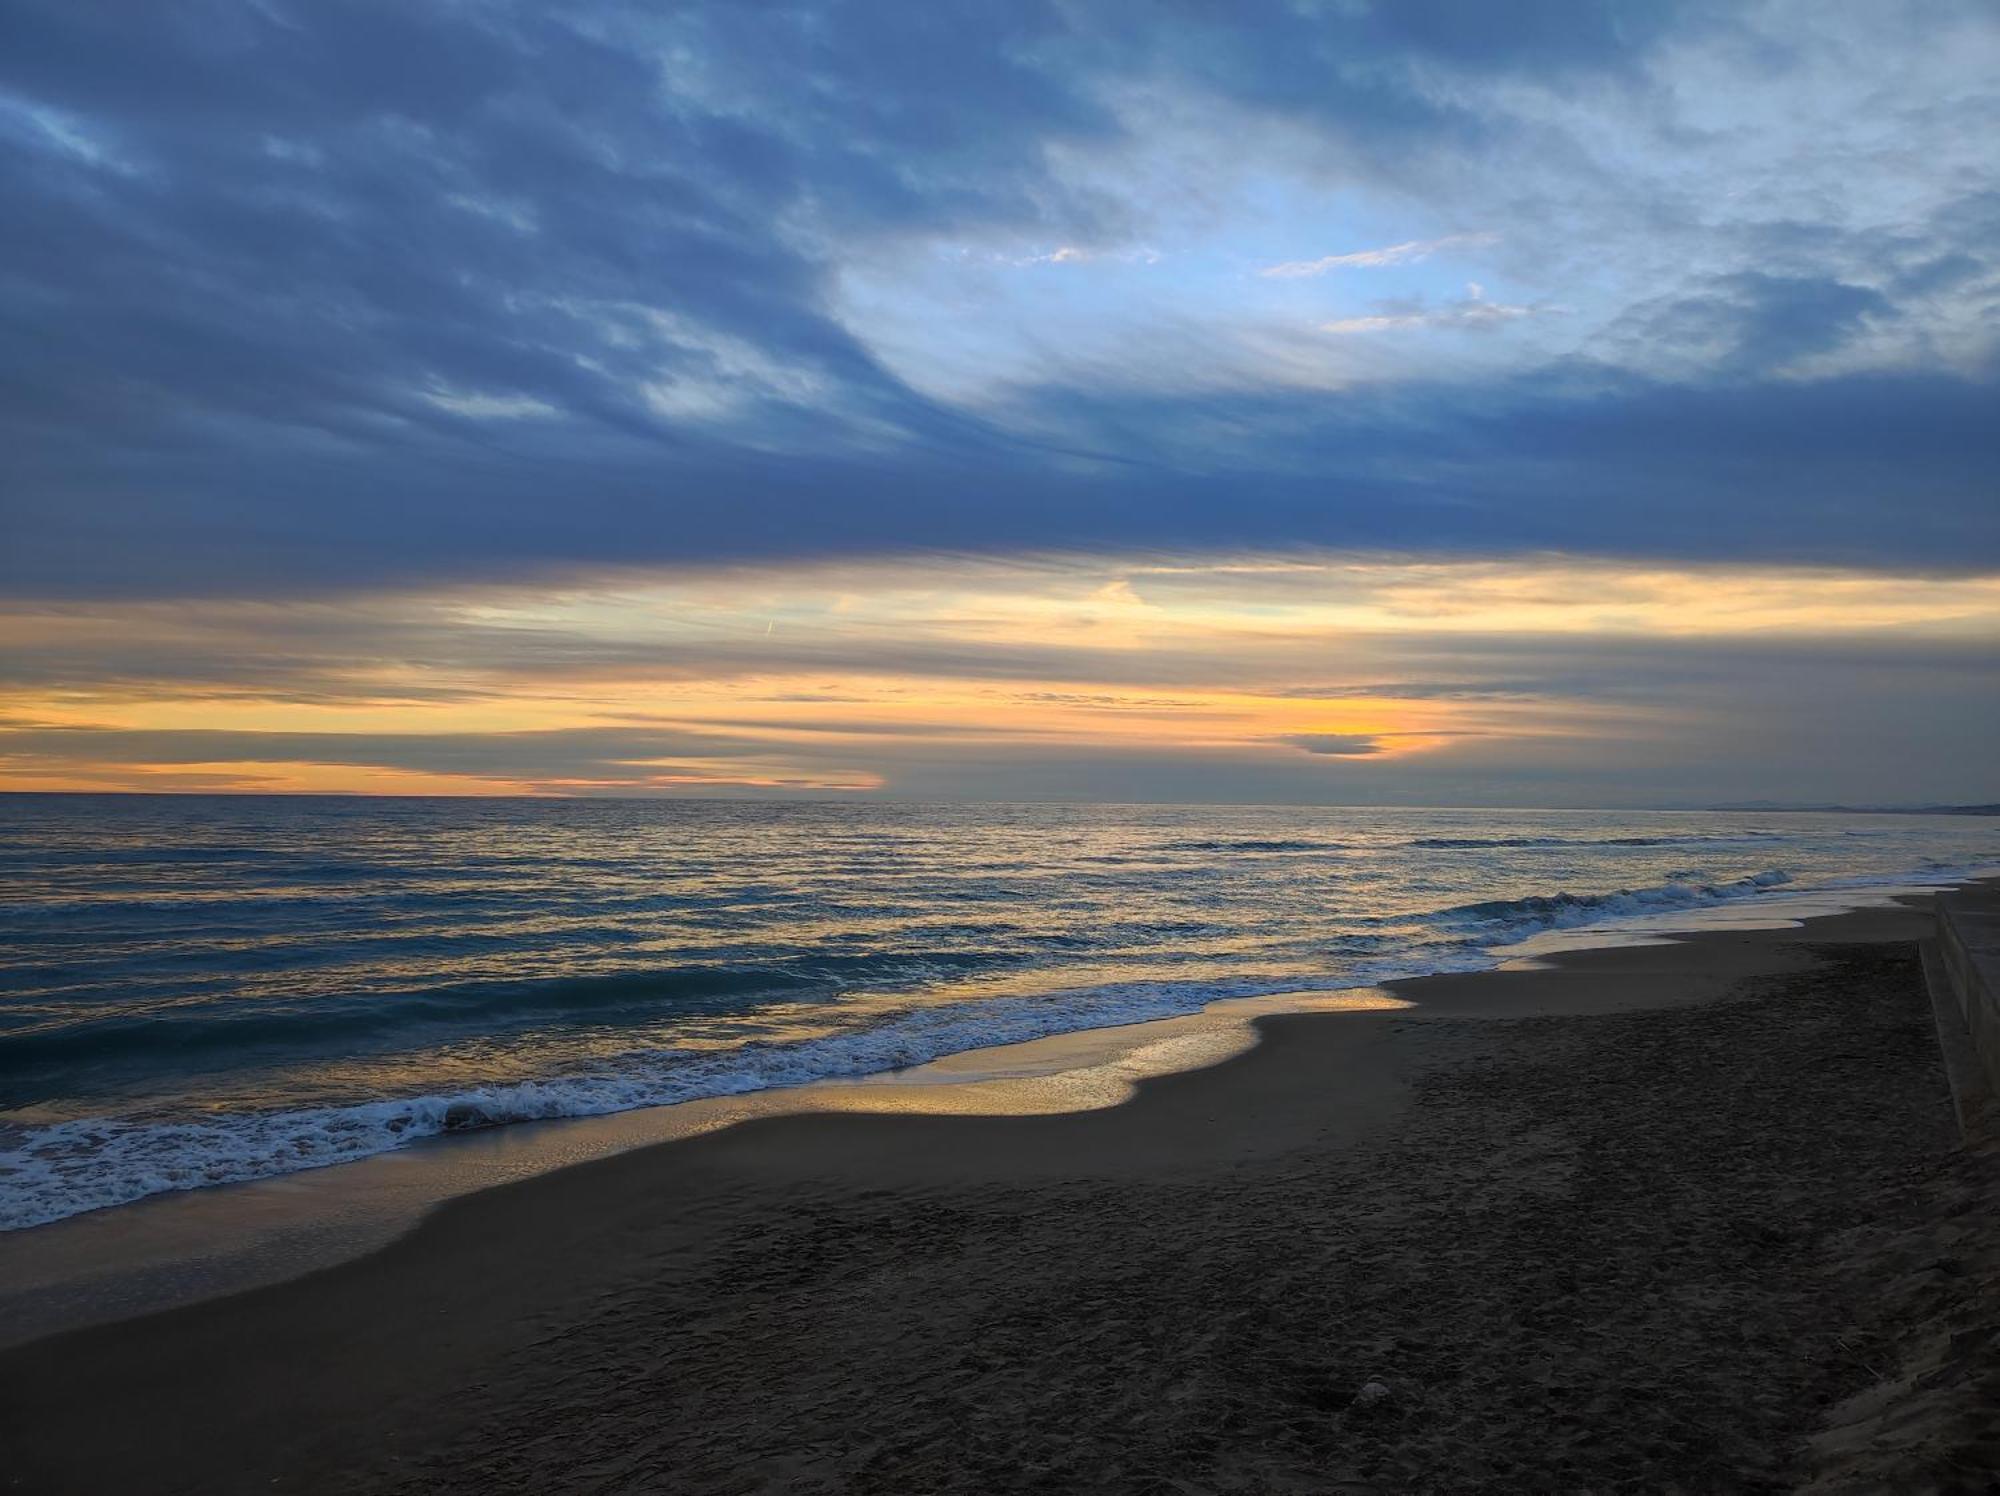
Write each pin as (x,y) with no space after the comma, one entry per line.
(1692,1217)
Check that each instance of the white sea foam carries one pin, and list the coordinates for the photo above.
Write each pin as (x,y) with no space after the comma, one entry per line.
(191,995)
(49,1172)
(1514,918)
(64,1168)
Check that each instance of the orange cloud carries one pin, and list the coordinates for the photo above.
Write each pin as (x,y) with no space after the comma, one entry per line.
(844,678)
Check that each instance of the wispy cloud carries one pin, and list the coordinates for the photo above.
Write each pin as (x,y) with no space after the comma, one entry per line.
(482,407)
(1410,253)
(448,293)
(1073,254)
(1472,313)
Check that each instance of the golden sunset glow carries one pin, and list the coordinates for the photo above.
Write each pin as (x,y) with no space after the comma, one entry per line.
(848,678)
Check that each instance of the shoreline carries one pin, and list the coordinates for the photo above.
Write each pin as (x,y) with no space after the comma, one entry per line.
(342,1377)
(184,1247)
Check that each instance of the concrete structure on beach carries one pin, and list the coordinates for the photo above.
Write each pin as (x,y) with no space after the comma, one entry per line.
(1964,973)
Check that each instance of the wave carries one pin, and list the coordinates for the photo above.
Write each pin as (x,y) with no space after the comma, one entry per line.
(1518,918)
(56,1169)
(1253,845)
(1931,872)
(609,998)
(66,1168)
(1469,842)
(185,853)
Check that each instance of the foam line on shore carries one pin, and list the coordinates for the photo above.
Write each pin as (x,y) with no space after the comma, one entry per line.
(196,1244)
(70,1167)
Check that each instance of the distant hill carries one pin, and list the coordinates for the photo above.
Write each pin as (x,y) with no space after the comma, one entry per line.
(1866,810)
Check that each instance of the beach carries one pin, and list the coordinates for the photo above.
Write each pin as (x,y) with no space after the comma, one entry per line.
(1692,1215)
(999,750)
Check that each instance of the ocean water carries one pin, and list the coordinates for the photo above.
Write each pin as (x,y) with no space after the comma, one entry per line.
(196,990)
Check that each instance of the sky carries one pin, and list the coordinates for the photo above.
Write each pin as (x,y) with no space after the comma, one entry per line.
(1438,402)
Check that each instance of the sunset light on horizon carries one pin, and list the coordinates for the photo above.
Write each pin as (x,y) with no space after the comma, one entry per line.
(1365,680)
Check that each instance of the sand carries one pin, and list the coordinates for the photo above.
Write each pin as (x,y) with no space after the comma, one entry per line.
(1694,1216)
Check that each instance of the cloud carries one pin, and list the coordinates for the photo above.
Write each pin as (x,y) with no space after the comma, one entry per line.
(1427,690)
(972,678)
(489,407)
(1610,720)
(1751,323)
(327,300)
(570,760)
(1335,744)
(1472,312)
(1412,252)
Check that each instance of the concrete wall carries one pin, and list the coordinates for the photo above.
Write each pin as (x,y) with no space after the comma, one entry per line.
(1969,945)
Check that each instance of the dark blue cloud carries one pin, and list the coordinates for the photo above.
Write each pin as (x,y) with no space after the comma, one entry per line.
(1336,744)
(1751,323)
(362,293)
(1868,471)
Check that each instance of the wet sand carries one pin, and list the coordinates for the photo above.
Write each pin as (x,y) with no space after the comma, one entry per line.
(1688,1216)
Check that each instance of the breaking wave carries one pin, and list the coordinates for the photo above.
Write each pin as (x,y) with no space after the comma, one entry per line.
(1461,843)
(68,1167)
(65,1168)
(1513,919)
(187,1000)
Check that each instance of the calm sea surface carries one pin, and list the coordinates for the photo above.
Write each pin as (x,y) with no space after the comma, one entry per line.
(195,990)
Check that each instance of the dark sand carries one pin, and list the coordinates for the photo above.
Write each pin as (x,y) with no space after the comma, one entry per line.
(1693,1217)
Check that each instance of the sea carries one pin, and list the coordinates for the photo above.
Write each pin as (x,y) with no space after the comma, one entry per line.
(196,990)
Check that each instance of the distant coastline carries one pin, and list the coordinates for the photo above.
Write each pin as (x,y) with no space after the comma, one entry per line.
(1767,807)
